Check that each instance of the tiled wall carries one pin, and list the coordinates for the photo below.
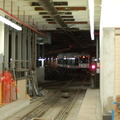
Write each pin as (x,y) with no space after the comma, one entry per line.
(117,61)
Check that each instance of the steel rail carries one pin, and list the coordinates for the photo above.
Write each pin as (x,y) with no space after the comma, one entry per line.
(64,112)
(50,101)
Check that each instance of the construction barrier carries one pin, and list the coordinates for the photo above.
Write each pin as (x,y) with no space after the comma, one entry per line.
(1,90)
(8,88)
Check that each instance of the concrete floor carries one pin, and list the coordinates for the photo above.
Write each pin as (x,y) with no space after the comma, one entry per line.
(91,107)
(12,108)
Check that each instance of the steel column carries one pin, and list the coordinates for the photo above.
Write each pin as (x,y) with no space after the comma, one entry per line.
(13,47)
(33,51)
(97,49)
(29,44)
(24,49)
(6,65)
(19,47)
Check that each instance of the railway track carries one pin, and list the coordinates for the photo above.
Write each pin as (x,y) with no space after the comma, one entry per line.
(64,112)
(49,101)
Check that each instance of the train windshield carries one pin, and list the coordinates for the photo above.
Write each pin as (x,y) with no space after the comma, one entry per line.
(84,59)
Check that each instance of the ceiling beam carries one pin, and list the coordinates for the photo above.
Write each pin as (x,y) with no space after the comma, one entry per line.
(63,3)
(61,13)
(71,8)
(63,8)
(67,19)
(84,22)
(61,17)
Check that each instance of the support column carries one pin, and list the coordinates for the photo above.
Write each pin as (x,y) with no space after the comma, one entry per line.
(19,47)
(97,79)
(13,54)
(40,68)
(33,51)
(24,48)
(97,49)
(107,59)
(2,29)
(6,47)
(29,44)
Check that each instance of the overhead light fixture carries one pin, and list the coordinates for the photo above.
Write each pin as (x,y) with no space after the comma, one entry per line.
(91,17)
(10,23)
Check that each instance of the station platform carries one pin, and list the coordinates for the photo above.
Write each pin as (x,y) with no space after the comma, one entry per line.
(91,106)
(12,108)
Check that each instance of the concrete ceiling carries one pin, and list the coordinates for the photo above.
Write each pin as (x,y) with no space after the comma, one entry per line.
(71,16)
(75,13)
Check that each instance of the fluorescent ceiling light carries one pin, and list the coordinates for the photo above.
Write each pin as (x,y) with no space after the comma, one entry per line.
(10,23)
(91,17)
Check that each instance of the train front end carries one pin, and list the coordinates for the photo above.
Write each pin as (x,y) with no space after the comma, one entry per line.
(84,62)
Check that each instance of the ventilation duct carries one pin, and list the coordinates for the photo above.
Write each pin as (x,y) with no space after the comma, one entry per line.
(53,13)
(44,40)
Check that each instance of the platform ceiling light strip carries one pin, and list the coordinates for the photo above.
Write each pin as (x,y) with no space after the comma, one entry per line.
(10,23)
(91,17)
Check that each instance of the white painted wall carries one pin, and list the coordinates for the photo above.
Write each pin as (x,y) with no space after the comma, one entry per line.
(110,13)
(107,69)
(110,19)
(1,44)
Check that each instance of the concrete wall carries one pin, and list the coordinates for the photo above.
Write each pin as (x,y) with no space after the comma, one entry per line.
(107,69)
(109,73)
(1,44)
(40,74)
(109,53)
(110,13)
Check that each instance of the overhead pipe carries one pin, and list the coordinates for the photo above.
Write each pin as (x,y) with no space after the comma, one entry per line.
(13,17)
